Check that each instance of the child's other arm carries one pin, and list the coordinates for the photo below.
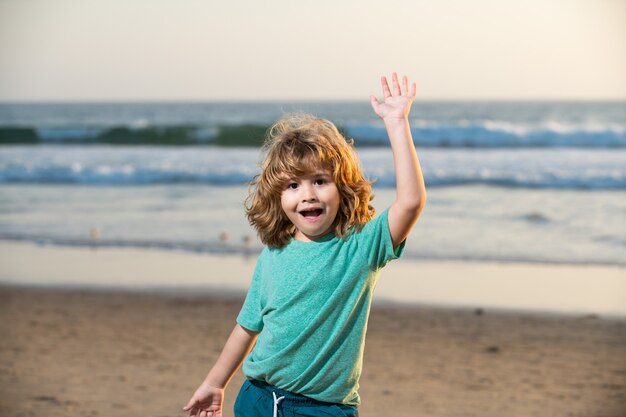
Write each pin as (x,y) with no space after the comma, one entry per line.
(210,395)
(410,188)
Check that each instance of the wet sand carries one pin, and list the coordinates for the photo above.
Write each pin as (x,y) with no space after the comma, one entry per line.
(105,353)
(575,289)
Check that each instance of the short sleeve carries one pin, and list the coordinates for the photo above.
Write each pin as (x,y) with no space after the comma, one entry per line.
(375,240)
(250,316)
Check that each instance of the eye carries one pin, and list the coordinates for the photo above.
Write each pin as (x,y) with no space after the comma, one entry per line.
(292,185)
(324,179)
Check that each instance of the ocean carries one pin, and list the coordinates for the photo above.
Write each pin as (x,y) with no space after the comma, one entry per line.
(537,182)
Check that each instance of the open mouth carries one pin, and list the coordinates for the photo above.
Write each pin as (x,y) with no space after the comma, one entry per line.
(311,213)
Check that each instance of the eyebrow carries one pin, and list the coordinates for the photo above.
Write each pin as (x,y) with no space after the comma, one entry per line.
(320,174)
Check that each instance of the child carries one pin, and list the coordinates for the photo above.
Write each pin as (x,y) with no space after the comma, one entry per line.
(309,300)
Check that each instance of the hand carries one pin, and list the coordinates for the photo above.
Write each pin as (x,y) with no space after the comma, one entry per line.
(396,103)
(206,402)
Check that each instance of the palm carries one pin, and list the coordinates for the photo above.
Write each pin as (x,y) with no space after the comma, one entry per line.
(396,101)
(207,400)
(395,107)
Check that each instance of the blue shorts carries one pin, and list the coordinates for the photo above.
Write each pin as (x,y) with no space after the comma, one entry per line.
(259,399)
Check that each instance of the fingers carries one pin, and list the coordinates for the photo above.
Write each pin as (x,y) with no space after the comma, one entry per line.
(189,404)
(198,412)
(374,102)
(396,85)
(208,413)
(396,88)
(193,408)
(385,85)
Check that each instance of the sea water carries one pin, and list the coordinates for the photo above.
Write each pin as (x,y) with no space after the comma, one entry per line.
(523,182)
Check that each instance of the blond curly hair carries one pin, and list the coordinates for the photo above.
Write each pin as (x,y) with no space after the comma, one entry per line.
(295,145)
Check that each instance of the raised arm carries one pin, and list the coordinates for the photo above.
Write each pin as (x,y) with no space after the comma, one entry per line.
(210,395)
(410,188)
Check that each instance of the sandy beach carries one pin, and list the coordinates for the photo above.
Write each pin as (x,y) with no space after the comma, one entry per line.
(131,351)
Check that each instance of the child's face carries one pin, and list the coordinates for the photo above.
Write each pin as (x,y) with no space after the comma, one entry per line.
(311,202)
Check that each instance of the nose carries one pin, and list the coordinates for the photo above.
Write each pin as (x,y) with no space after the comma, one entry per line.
(308,193)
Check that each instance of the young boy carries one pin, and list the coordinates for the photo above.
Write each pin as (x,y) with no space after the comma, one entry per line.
(310,296)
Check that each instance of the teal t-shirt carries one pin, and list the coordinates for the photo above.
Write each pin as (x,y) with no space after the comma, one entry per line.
(311,302)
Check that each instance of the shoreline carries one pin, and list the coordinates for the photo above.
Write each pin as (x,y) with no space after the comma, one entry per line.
(574,290)
(220,249)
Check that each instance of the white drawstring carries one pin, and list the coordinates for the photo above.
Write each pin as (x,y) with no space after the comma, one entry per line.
(276,402)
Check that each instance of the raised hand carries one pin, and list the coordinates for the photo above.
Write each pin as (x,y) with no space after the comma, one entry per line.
(396,101)
(206,402)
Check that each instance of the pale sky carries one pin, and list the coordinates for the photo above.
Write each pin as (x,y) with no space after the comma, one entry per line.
(108,50)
